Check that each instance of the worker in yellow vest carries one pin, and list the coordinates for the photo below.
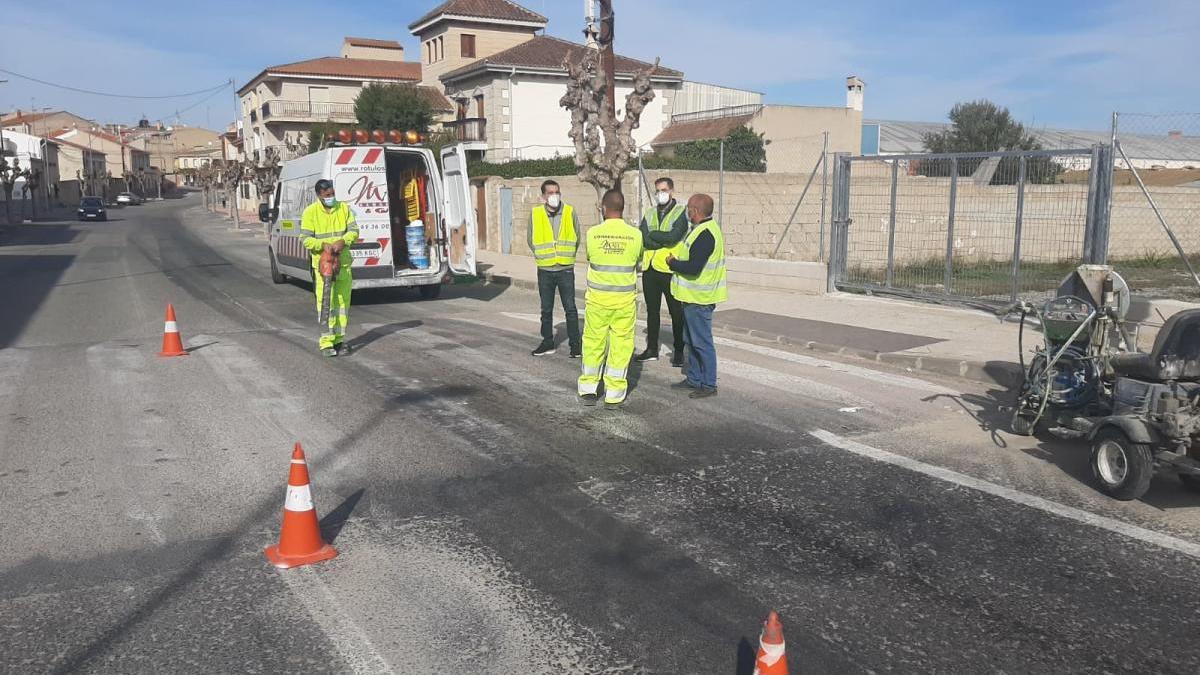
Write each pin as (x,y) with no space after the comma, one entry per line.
(328,226)
(614,248)
(663,228)
(553,238)
(699,284)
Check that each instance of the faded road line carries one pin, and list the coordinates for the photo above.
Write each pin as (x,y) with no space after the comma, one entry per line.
(1079,515)
(347,637)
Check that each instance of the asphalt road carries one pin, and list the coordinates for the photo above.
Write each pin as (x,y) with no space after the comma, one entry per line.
(487,523)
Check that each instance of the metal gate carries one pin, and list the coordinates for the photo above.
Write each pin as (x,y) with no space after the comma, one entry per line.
(978,227)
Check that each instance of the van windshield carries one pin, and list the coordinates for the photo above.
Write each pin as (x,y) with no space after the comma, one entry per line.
(92,201)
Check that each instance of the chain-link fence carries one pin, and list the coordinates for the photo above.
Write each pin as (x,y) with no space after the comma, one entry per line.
(1155,214)
(982,226)
(771,200)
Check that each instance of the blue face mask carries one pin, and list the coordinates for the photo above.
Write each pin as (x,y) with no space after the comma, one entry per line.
(329,201)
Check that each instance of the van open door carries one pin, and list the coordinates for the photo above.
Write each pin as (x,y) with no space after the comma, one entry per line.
(461,233)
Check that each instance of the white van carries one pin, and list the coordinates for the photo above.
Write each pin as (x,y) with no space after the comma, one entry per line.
(386,186)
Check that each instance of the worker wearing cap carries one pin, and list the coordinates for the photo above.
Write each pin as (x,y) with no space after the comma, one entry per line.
(329,225)
(614,248)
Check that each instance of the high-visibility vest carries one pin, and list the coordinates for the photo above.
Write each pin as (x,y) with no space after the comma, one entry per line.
(319,227)
(708,287)
(547,250)
(658,257)
(613,249)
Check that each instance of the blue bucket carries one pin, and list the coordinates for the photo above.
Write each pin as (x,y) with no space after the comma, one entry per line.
(414,234)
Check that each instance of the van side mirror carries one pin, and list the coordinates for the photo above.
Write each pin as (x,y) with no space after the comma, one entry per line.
(266,214)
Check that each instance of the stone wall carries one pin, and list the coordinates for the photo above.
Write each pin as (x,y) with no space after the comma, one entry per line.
(758,207)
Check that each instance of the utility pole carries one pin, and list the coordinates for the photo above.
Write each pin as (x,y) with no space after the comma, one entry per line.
(608,60)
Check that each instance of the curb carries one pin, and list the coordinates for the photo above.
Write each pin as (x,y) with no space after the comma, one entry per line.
(1002,373)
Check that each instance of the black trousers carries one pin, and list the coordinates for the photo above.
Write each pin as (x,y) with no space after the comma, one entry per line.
(561,282)
(655,286)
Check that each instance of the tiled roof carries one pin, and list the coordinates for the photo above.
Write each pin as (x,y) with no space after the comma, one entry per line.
(351,69)
(436,99)
(546,52)
(482,9)
(370,42)
(23,117)
(683,132)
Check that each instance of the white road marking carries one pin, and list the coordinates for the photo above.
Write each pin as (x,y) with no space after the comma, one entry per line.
(875,376)
(348,638)
(843,368)
(1054,508)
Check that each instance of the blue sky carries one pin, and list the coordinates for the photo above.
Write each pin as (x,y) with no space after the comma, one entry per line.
(1056,63)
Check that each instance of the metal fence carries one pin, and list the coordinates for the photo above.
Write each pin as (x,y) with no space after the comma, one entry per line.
(983,227)
(1155,211)
(771,201)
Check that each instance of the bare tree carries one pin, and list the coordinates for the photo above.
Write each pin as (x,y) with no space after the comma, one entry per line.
(9,175)
(603,142)
(232,174)
(33,181)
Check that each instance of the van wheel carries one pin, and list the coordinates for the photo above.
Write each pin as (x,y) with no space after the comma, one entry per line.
(430,292)
(1121,467)
(276,275)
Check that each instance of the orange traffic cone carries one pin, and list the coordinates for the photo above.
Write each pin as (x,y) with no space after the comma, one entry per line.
(172,343)
(300,541)
(772,657)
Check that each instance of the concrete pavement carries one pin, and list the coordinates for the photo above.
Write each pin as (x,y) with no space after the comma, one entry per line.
(488,523)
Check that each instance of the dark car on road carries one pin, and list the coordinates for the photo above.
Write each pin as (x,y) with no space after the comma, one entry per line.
(92,208)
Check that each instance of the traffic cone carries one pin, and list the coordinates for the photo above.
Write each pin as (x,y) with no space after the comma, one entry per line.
(772,656)
(300,541)
(172,343)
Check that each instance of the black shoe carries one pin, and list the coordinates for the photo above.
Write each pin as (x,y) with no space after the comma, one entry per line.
(590,399)
(343,349)
(703,392)
(684,384)
(614,406)
(576,353)
(329,351)
(677,360)
(646,356)
(544,349)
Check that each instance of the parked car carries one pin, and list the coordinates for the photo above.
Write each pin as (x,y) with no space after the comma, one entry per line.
(92,208)
(128,198)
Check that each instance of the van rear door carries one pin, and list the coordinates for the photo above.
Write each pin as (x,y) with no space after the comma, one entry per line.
(360,179)
(459,216)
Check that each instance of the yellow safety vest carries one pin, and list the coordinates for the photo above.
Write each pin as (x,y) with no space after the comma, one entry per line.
(658,257)
(319,227)
(547,250)
(613,250)
(708,287)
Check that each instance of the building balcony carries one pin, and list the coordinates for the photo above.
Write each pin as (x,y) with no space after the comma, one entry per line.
(469,130)
(306,111)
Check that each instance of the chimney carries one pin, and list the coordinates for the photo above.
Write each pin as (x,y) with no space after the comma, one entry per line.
(854,93)
(369,48)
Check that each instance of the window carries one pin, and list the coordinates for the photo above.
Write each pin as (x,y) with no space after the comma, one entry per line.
(479,107)
(441,48)
(468,46)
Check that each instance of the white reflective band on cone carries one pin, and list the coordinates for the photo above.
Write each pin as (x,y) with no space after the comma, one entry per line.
(171,327)
(299,498)
(771,653)
(298,461)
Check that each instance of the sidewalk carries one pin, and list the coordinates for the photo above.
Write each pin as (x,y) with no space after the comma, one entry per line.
(920,337)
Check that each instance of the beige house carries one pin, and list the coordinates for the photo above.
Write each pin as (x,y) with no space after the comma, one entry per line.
(794,135)
(280,105)
(80,169)
(42,123)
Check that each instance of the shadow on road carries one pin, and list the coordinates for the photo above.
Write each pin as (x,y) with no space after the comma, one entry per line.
(26,281)
(381,332)
(335,520)
(41,235)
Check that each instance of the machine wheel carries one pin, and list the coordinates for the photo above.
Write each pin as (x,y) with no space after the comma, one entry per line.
(276,275)
(1121,467)
(1190,482)
(430,292)
(1022,425)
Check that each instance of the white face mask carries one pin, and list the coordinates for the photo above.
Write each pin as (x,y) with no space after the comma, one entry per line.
(664,198)
(329,201)
(553,201)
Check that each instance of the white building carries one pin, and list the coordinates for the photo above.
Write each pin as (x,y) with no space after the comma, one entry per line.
(506,80)
(37,154)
